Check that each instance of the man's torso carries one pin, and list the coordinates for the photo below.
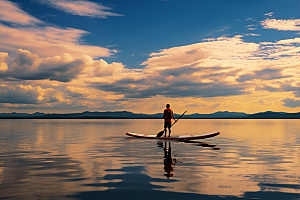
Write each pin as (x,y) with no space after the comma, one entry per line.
(168,113)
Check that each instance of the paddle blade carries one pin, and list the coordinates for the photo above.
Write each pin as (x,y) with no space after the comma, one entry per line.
(160,134)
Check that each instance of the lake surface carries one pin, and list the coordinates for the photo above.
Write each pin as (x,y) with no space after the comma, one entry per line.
(94,159)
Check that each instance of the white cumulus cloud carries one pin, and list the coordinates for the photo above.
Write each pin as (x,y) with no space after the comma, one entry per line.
(282,24)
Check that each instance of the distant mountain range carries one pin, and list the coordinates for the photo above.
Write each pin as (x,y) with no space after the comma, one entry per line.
(130,115)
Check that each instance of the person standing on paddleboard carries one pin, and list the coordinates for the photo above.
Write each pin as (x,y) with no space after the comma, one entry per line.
(168,116)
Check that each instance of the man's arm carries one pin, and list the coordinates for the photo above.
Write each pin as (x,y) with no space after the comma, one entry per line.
(173,116)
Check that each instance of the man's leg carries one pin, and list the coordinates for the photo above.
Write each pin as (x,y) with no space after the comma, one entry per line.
(165,130)
(169,131)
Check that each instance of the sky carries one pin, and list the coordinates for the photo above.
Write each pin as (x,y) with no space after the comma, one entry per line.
(66,56)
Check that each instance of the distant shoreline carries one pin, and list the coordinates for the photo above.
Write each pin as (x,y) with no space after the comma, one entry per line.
(133,118)
(130,115)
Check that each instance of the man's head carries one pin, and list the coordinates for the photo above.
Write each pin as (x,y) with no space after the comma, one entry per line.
(168,106)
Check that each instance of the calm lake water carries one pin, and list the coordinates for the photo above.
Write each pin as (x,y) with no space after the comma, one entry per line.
(94,159)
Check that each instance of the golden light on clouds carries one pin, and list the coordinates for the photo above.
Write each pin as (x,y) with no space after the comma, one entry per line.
(227,71)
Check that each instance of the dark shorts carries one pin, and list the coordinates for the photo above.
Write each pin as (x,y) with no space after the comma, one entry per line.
(168,124)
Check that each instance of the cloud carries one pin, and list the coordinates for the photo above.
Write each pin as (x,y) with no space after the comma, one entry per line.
(30,97)
(102,68)
(282,86)
(291,87)
(251,27)
(178,71)
(282,24)
(3,64)
(64,68)
(252,34)
(270,14)
(264,74)
(289,41)
(82,8)
(291,103)
(75,92)
(280,49)
(48,41)
(10,12)
(20,94)
(176,57)
(223,50)
(28,66)
(174,89)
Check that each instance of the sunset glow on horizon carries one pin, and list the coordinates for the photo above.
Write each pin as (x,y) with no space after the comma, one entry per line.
(62,56)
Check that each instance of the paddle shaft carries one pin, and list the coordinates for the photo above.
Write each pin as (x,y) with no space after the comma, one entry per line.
(178,118)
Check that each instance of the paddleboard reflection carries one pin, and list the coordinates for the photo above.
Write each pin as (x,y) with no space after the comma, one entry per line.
(202,144)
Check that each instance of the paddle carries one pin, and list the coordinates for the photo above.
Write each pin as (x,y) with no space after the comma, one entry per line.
(162,132)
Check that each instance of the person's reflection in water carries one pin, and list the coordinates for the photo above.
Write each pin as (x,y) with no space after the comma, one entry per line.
(169,162)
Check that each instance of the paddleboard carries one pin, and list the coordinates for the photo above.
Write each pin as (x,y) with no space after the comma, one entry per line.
(191,137)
